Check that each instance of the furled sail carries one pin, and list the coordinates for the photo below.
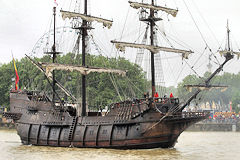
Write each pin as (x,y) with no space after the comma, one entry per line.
(137,5)
(204,87)
(105,22)
(155,49)
(50,77)
(83,70)
(225,52)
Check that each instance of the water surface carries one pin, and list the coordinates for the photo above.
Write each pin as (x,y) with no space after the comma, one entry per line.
(191,145)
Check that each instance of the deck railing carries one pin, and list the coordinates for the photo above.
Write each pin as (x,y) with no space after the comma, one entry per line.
(190,114)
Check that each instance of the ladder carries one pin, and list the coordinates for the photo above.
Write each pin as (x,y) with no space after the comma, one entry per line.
(72,128)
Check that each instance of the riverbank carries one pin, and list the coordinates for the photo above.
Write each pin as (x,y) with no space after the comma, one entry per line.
(213,126)
(7,125)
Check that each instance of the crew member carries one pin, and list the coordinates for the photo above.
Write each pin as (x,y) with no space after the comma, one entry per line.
(156,95)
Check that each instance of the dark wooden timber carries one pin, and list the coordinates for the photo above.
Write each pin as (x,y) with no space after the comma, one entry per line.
(83,137)
(28,134)
(40,122)
(114,130)
(58,140)
(98,127)
(228,37)
(219,69)
(152,24)
(39,129)
(54,55)
(84,35)
(48,132)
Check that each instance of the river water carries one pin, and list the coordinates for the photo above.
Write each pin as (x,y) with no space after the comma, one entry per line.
(190,146)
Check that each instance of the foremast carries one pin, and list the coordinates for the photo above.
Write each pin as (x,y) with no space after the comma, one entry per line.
(54,53)
(54,56)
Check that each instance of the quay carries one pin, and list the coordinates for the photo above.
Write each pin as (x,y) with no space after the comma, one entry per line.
(214,126)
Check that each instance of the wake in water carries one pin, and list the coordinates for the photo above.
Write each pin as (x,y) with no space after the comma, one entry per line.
(10,142)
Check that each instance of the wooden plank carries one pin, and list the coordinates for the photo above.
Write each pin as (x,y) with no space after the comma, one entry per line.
(110,138)
(97,134)
(39,129)
(28,135)
(84,132)
(58,140)
(49,129)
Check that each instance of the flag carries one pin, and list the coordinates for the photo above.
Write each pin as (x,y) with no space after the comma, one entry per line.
(55,2)
(17,77)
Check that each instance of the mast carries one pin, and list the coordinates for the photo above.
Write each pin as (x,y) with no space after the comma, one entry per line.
(86,20)
(84,34)
(54,55)
(228,54)
(228,57)
(152,24)
(151,20)
(228,46)
(228,36)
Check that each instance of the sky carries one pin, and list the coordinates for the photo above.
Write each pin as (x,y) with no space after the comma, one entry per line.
(23,23)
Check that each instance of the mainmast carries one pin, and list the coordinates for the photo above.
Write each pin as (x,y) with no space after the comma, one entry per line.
(84,35)
(54,55)
(152,24)
(84,69)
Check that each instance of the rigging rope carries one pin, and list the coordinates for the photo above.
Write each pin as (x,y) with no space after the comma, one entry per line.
(236,42)
(180,73)
(206,22)
(196,24)
(125,23)
(111,76)
(199,30)
(164,36)
(171,69)
(192,68)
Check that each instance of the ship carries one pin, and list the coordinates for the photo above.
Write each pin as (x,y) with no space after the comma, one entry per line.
(139,123)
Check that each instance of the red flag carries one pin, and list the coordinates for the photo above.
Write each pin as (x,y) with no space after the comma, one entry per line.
(55,2)
(17,77)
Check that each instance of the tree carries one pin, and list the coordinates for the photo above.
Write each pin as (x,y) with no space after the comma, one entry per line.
(236,101)
(100,88)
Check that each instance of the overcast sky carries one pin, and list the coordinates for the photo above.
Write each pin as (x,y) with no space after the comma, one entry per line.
(23,22)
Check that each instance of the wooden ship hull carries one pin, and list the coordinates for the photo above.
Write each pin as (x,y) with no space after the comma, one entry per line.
(133,124)
(129,125)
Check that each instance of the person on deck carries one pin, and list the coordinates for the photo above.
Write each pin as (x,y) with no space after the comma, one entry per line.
(165,96)
(156,96)
(145,95)
(171,95)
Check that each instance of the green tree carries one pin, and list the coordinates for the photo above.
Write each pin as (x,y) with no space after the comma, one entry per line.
(100,88)
(236,101)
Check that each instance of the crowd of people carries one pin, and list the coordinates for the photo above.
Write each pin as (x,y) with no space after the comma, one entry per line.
(224,117)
